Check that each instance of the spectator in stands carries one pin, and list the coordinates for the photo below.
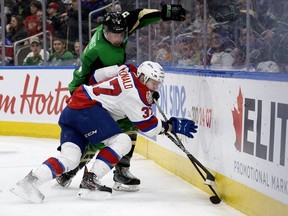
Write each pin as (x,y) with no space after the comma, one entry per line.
(258,50)
(76,53)
(224,11)
(70,26)
(92,5)
(7,11)
(15,29)
(280,50)
(22,8)
(198,23)
(162,52)
(186,54)
(274,18)
(54,16)
(61,4)
(8,50)
(36,56)
(161,32)
(60,56)
(38,28)
(198,47)
(31,21)
(219,54)
(186,25)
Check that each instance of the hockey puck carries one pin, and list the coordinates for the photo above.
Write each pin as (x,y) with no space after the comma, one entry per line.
(215,199)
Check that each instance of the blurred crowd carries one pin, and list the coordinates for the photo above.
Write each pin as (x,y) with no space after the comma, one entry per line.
(219,39)
(24,27)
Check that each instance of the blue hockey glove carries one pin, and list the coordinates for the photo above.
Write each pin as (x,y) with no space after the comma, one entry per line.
(183,126)
(172,12)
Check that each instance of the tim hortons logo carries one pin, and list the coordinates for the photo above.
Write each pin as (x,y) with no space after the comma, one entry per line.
(34,101)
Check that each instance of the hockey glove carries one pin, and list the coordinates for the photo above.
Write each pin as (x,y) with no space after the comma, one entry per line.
(183,126)
(172,12)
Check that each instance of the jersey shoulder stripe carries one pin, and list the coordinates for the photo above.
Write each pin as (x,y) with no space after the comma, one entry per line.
(147,125)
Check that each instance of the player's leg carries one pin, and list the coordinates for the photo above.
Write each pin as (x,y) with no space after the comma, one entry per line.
(106,159)
(28,188)
(75,125)
(117,144)
(97,125)
(72,145)
(66,178)
(123,178)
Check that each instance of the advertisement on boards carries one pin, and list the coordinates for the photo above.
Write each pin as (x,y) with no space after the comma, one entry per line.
(242,123)
(242,130)
(30,95)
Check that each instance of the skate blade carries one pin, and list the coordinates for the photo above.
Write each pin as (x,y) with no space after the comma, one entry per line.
(87,194)
(64,185)
(127,188)
(35,197)
(59,186)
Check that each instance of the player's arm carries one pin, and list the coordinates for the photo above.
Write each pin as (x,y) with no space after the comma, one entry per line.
(110,71)
(143,118)
(105,73)
(153,126)
(139,18)
(82,74)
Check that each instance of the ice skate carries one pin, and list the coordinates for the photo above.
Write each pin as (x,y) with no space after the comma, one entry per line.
(27,189)
(124,180)
(66,178)
(92,189)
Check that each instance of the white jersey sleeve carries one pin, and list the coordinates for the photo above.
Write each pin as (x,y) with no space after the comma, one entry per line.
(107,72)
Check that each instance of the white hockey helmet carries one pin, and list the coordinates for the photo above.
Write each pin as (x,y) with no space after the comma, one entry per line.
(151,70)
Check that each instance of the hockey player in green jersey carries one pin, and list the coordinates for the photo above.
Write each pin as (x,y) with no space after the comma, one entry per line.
(106,48)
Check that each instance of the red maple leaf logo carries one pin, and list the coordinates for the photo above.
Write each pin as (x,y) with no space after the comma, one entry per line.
(237,121)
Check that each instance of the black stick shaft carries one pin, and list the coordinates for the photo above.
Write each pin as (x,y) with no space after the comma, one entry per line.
(181,146)
(193,160)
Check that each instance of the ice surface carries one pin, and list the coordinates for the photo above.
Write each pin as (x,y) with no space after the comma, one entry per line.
(161,192)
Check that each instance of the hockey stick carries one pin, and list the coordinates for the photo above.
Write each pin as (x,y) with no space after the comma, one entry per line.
(210,178)
(214,199)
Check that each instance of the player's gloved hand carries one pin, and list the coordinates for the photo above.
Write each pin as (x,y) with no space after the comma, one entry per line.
(183,126)
(155,96)
(172,12)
